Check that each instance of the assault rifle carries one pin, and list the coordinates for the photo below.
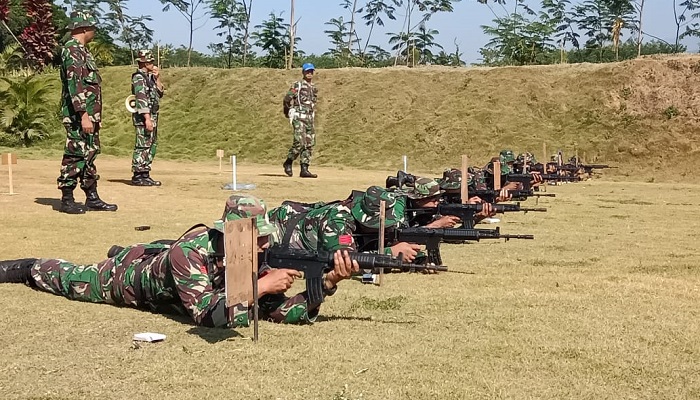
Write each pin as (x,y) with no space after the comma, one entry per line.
(315,263)
(465,212)
(525,179)
(490,195)
(432,238)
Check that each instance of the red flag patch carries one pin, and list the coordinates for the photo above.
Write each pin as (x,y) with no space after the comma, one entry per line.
(345,240)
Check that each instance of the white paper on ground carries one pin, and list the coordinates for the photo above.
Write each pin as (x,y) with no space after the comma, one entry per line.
(490,220)
(149,337)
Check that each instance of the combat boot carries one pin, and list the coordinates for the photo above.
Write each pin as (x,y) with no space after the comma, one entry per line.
(17,271)
(68,204)
(288,167)
(305,172)
(139,180)
(93,201)
(147,178)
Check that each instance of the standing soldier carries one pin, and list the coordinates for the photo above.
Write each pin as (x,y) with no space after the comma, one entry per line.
(299,107)
(148,89)
(81,108)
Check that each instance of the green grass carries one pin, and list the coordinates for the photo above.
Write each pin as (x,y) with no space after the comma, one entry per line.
(370,118)
(595,307)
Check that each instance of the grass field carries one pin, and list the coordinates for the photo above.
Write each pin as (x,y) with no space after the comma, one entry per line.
(642,115)
(601,305)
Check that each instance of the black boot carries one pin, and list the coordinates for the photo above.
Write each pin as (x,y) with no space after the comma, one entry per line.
(68,204)
(288,167)
(93,201)
(17,271)
(139,179)
(147,178)
(305,172)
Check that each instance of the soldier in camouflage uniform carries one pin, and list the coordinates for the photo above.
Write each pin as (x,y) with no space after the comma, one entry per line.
(188,274)
(332,226)
(300,108)
(81,108)
(148,89)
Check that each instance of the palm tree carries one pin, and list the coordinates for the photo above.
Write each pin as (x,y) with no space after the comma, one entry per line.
(425,42)
(10,58)
(25,109)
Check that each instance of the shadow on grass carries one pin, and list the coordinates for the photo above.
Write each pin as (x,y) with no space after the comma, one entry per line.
(124,181)
(45,201)
(214,335)
(329,318)
(279,175)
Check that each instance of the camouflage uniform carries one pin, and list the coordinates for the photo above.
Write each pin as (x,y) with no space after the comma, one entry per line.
(300,108)
(331,226)
(185,274)
(147,93)
(81,93)
(452,180)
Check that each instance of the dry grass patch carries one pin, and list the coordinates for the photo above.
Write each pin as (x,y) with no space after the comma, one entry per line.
(597,306)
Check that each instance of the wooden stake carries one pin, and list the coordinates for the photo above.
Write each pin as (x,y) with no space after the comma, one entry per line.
(496,175)
(544,153)
(9,159)
(382,220)
(241,265)
(220,154)
(464,186)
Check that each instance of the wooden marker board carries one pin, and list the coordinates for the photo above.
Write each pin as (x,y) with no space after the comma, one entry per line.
(382,221)
(9,159)
(220,154)
(496,175)
(241,248)
(464,185)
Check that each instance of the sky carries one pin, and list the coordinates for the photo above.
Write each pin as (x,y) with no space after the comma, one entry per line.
(461,26)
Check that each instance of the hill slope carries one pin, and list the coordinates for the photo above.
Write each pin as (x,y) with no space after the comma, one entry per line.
(617,113)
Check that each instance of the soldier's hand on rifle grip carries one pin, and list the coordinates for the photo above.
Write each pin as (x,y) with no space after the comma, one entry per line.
(87,124)
(343,267)
(536,177)
(444,221)
(504,195)
(277,281)
(409,250)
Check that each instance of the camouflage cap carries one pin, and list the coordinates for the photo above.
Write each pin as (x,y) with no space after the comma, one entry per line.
(506,156)
(424,188)
(240,207)
(527,157)
(452,179)
(81,19)
(144,56)
(366,207)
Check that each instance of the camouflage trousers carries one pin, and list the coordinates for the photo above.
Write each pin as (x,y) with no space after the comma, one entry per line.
(112,282)
(304,140)
(145,147)
(79,156)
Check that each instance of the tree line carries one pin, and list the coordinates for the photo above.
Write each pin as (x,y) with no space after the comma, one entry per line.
(521,33)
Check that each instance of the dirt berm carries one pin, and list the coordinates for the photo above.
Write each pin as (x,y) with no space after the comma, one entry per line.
(641,115)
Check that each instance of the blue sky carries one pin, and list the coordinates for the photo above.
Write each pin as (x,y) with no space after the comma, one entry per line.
(463,25)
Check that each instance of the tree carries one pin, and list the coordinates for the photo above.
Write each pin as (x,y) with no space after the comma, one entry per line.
(38,39)
(555,14)
(231,16)
(10,58)
(352,35)
(374,9)
(679,14)
(189,11)
(424,42)
(519,40)
(130,30)
(272,36)
(103,48)
(25,110)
